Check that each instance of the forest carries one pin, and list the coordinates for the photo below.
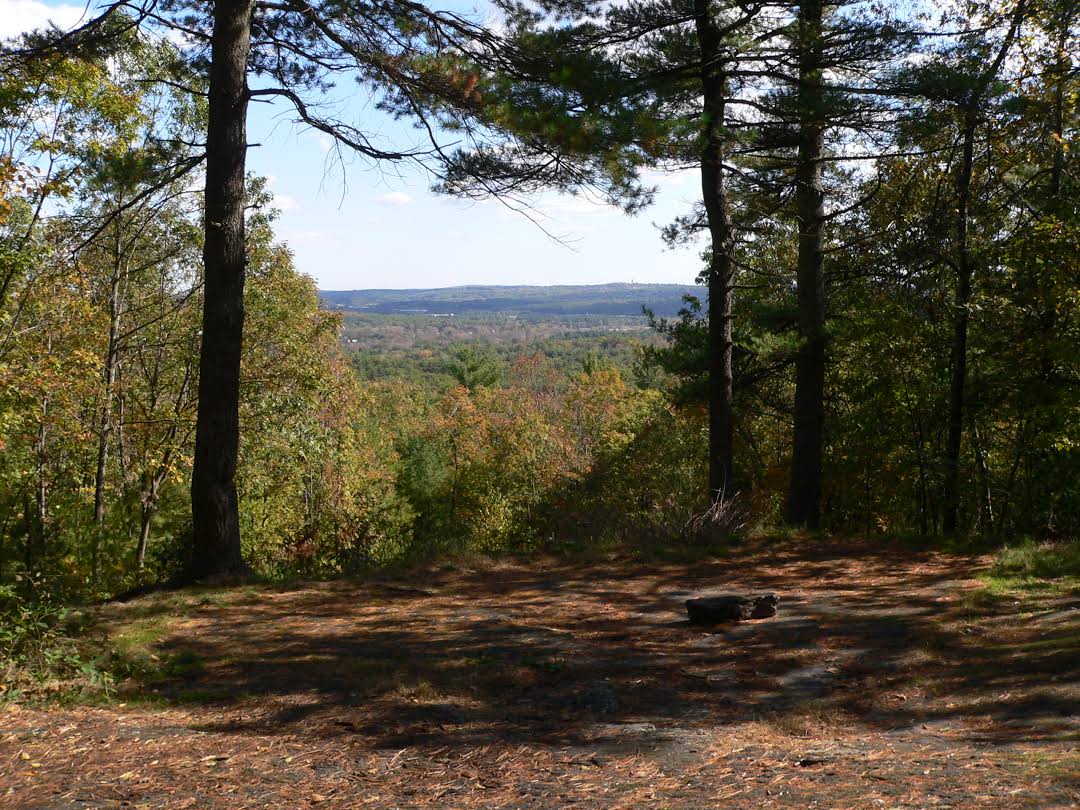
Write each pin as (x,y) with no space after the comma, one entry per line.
(876,372)
(536,302)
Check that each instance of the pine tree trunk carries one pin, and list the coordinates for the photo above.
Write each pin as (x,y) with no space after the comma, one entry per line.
(962,317)
(721,266)
(804,496)
(216,545)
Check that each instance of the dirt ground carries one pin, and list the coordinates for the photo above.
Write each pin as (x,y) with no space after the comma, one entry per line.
(885,681)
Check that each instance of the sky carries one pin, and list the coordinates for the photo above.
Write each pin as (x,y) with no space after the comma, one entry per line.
(352,224)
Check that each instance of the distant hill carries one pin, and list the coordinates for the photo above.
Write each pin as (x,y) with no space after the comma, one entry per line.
(566,300)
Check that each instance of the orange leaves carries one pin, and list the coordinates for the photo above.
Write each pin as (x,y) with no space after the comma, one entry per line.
(465,81)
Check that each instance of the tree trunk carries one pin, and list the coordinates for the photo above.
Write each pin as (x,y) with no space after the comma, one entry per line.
(721,265)
(964,272)
(216,545)
(29,530)
(1062,63)
(804,497)
(962,317)
(41,487)
(922,498)
(986,497)
(105,425)
(149,501)
(1018,457)
(144,538)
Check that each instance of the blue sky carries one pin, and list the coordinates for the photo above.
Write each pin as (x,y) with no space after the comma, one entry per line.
(352,224)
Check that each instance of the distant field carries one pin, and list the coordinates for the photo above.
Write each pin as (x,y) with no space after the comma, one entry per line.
(556,301)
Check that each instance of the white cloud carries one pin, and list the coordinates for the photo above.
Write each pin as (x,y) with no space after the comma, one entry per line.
(304,237)
(321,138)
(284,202)
(652,177)
(396,198)
(19,16)
(571,207)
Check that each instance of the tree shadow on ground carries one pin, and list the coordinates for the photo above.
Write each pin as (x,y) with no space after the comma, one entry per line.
(601,655)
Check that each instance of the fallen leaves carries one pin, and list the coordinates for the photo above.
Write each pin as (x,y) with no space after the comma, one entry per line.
(324,724)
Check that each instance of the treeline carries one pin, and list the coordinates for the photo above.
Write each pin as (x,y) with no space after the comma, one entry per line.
(587,300)
(885,341)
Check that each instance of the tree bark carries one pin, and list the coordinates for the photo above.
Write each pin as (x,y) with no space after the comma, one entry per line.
(804,496)
(148,499)
(986,496)
(41,488)
(105,425)
(721,265)
(958,351)
(922,497)
(216,544)
(1062,63)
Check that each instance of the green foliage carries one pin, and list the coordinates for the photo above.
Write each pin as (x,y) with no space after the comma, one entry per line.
(474,370)
(422,349)
(36,643)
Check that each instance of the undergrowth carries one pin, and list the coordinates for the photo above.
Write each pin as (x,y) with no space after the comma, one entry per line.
(50,653)
(40,652)
(1045,560)
(1034,568)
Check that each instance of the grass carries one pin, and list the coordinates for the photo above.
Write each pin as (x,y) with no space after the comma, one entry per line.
(1048,764)
(1030,571)
(1046,560)
(98,655)
(141,634)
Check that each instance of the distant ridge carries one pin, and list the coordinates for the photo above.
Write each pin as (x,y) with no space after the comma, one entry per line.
(561,300)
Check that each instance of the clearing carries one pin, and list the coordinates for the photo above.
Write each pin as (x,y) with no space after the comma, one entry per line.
(890,678)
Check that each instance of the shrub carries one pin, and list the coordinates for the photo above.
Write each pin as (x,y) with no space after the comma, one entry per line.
(34,641)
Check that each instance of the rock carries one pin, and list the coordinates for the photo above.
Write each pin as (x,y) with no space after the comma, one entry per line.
(626,729)
(731,608)
(598,697)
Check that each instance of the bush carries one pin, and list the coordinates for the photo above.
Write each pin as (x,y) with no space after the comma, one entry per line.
(34,644)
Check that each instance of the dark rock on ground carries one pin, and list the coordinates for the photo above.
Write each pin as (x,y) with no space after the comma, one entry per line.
(598,697)
(731,608)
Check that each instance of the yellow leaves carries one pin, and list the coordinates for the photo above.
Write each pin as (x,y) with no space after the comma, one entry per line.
(86,357)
